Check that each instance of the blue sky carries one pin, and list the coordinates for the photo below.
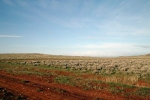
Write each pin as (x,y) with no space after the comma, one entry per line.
(75,27)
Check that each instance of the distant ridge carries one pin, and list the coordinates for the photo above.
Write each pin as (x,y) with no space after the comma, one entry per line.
(142,55)
(147,54)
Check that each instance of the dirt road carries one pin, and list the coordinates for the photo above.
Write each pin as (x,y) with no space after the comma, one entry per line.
(36,88)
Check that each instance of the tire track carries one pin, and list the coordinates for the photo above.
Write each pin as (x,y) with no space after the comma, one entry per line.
(37,91)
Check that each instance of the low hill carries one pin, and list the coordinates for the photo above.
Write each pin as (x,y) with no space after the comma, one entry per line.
(147,54)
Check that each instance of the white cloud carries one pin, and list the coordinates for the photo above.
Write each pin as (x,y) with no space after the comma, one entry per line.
(109,53)
(9,36)
(121,28)
(9,2)
(111,49)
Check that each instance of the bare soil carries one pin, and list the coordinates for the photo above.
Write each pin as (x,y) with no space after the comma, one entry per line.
(36,88)
(33,87)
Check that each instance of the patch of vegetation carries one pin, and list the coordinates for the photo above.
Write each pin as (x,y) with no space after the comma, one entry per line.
(118,88)
(146,78)
(112,84)
(64,80)
(17,69)
(115,90)
(143,91)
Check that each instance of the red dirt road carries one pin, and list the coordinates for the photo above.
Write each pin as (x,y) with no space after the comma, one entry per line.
(38,88)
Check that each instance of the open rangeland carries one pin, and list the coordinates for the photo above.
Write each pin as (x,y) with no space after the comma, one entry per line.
(48,77)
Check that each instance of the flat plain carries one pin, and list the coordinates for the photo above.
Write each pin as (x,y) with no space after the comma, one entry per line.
(54,77)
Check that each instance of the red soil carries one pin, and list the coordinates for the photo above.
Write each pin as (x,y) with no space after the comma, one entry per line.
(141,83)
(43,88)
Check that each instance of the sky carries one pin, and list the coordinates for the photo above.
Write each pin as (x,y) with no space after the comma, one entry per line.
(75,27)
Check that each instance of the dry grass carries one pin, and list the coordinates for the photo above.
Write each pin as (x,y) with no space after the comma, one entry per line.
(135,66)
